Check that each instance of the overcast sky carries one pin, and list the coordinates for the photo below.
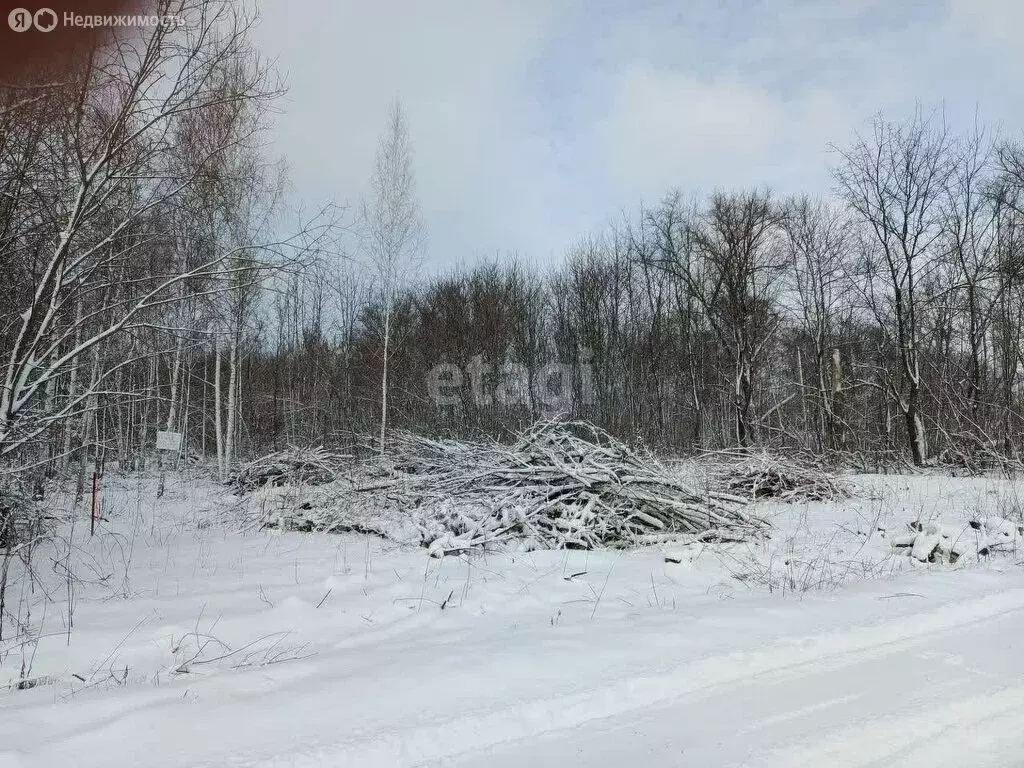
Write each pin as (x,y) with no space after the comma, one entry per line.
(535,122)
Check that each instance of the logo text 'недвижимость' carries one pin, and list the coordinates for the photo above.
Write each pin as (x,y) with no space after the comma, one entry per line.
(46,20)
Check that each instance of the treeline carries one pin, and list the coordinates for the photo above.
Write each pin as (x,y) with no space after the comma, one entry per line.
(148,286)
(885,325)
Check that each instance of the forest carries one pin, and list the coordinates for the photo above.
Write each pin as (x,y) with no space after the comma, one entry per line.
(157,277)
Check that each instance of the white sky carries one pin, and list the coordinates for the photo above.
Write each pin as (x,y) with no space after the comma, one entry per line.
(535,122)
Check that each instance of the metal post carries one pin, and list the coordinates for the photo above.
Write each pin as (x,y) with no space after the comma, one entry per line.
(95,499)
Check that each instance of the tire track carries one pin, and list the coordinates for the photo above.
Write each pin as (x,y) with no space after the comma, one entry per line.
(456,734)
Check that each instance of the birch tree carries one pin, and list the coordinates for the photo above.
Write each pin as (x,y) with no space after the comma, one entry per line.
(393,233)
(104,180)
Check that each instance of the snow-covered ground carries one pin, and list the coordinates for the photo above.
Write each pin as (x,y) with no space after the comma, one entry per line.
(194,645)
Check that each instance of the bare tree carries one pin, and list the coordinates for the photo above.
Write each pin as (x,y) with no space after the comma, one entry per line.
(112,262)
(973,215)
(234,207)
(730,262)
(895,181)
(816,241)
(112,143)
(393,231)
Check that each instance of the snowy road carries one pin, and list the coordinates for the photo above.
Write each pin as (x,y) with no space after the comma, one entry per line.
(953,696)
(924,679)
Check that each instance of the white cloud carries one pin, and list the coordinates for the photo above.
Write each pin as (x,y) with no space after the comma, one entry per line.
(668,126)
(990,22)
(534,121)
(665,128)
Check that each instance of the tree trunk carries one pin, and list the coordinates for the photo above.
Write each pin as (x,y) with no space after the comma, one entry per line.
(218,411)
(915,429)
(232,405)
(172,411)
(384,379)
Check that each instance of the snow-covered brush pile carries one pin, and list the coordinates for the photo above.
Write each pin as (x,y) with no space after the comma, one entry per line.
(767,476)
(293,466)
(937,543)
(558,485)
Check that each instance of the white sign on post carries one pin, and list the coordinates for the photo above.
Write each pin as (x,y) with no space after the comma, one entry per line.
(168,441)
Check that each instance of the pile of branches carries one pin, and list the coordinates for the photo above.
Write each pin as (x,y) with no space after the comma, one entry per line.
(558,485)
(766,476)
(292,466)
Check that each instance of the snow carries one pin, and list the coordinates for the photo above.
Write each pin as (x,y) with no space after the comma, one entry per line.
(195,645)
